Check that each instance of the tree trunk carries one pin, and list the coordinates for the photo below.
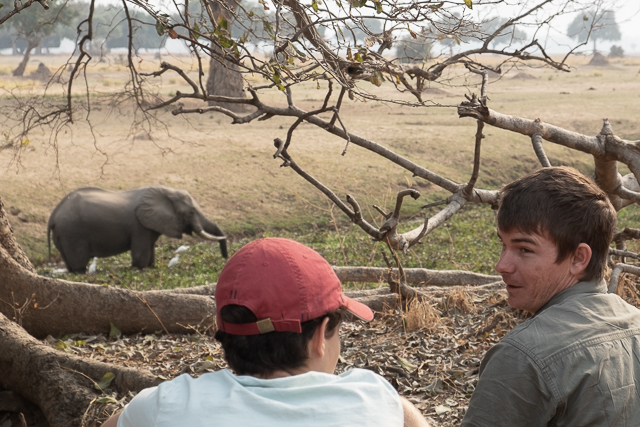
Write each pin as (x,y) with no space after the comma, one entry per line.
(60,384)
(19,72)
(224,77)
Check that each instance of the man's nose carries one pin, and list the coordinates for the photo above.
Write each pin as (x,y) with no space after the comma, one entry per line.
(504,265)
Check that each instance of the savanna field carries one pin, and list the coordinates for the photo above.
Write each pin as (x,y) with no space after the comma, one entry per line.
(431,352)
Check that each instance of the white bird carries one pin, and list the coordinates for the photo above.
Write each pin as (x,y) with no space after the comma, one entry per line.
(173,261)
(93,266)
(182,248)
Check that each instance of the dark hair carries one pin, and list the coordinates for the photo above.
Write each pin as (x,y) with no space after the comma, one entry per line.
(565,206)
(265,353)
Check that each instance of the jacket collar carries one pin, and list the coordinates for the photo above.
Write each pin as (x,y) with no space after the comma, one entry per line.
(596,286)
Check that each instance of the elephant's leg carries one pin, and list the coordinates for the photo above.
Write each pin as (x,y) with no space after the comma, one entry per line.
(75,252)
(143,249)
(76,258)
(152,261)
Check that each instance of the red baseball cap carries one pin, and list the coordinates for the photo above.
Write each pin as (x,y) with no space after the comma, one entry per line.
(284,283)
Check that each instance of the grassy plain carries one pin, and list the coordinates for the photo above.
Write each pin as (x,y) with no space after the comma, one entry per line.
(230,169)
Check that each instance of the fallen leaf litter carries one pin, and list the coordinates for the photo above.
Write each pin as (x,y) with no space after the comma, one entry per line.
(433,363)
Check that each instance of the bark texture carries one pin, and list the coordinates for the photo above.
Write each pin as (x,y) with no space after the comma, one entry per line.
(60,384)
(224,77)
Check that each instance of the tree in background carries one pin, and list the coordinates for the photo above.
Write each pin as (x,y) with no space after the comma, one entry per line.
(506,34)
(37,24)
(594,25)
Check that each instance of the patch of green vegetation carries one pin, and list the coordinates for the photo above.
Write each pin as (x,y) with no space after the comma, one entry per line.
(467,241)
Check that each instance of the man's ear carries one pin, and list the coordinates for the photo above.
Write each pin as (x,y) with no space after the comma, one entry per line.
(580,259)
(317,343)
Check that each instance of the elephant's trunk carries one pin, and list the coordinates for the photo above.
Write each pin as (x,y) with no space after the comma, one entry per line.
(213,233)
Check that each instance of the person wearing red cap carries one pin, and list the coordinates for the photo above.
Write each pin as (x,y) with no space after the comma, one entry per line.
(279,308)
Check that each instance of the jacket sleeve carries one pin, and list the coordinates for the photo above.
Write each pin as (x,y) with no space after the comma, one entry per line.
(513,390)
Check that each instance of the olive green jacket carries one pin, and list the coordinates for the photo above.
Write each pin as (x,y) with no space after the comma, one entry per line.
(575,363)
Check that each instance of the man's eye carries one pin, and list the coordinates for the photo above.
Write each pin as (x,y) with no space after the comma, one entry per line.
(525,251)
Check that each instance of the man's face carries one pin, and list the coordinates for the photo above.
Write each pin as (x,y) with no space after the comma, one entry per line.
(528,267)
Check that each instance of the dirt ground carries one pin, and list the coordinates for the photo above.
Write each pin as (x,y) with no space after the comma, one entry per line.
(430,353)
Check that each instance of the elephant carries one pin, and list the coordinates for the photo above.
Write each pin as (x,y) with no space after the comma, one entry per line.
(92,222)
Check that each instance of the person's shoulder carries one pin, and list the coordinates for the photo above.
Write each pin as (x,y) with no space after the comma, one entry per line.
(359,374)
(581,318)
(365,378)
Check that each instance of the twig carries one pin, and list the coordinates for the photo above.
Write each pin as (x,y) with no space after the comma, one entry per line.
(154,313)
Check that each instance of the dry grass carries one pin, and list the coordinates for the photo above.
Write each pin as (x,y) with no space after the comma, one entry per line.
(230,170)
(458,301)
(421,315)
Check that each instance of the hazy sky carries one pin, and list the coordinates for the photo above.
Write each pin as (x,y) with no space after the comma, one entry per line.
(627,15)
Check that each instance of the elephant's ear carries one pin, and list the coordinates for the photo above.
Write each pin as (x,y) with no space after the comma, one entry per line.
(156,213)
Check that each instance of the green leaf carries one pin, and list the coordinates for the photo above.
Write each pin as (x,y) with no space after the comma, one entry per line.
(61,345)
(585,18)
(378,6)
(406,364)
(105,381)
(225,42)
(250,14)
(114,332)
(314,5)
(107,399)
(276,78)
(222,23)
(267,27)
(377,78)
(196,33)
(1,5)
(159,28)
(468,3)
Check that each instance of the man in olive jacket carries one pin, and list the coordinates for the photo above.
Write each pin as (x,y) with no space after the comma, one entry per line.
(576,362)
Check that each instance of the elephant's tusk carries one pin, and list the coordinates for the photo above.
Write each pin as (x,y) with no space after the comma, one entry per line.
(208,236)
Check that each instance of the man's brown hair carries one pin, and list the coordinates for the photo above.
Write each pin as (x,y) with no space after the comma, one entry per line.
(565,206)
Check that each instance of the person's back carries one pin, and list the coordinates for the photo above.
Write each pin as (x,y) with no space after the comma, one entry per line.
(357,397)
(279,309)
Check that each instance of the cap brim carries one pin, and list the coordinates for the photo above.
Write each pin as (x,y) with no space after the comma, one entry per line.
(358,309)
